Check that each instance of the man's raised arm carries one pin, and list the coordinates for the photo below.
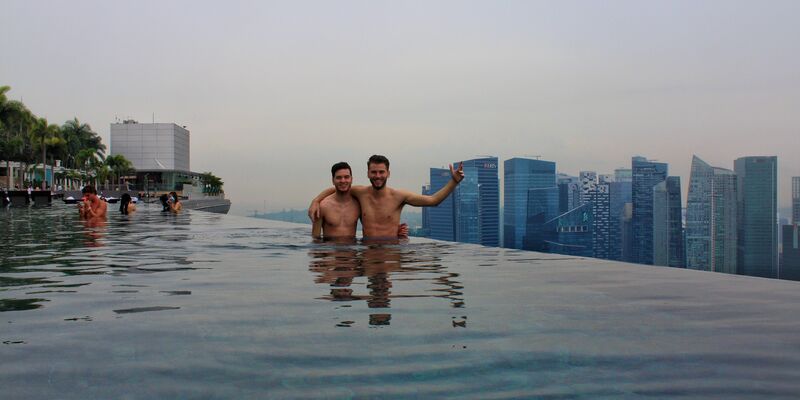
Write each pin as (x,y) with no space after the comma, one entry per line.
(419,200)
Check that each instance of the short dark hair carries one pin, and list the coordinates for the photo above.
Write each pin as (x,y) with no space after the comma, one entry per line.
(340,165)
(378,159)
(88,189)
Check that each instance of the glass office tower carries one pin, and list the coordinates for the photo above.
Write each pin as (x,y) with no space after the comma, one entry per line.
(757,250)
(711,236)
(542,207)
(442,217)
(477,203)
(667,223)
(646,174)
(796,200)
(519,176)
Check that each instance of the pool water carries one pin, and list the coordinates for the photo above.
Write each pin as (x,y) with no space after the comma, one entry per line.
(201,305)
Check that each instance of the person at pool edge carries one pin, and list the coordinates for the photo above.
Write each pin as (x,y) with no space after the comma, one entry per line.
(92,206)
(339,212)
(381,205)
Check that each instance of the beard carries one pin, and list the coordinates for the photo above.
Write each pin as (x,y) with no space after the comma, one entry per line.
(378,184)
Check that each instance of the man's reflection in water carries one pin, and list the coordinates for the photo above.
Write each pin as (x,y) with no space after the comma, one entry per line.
(339,264)
(95,230)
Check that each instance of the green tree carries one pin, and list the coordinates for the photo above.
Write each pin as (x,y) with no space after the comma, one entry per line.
(211,183)
(119,166)
(44,133)
(15,121)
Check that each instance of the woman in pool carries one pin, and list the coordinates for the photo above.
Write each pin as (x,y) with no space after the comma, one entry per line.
(126,205)
(174,203)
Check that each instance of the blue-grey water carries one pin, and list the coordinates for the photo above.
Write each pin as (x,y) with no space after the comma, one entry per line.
(202,305)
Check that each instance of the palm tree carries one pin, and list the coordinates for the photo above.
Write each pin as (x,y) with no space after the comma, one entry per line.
(58,148)
(14,125)
(119,166)
(79,136)
(42,134)
(211,184)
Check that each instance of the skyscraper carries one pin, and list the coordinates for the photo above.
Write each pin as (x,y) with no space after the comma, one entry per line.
(620,195)
(600,200)
(796,200)
(442,217)
(520,175)
(588,182)
(426,218)
(477,203)
(646,174)
(711,236)
(542,207)
(790,261)
(569,192)
(724,234)
(667,223)
(571,233)
(757,250)
(623,175)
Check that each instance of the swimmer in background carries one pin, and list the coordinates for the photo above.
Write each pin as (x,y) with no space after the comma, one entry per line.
(174,203)
(339,212)
(91,207)
(126,205)
(381,205)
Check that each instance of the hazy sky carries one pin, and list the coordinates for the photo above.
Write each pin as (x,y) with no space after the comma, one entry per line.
(275,92)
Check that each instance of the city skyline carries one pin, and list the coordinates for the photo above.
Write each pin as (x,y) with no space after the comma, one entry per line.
(275,93)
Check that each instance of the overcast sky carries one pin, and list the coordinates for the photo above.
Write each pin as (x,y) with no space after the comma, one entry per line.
(274,93)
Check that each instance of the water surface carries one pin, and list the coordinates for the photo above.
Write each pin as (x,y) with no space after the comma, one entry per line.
(203,305)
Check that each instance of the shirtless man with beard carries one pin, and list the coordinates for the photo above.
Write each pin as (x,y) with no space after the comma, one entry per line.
(381,206)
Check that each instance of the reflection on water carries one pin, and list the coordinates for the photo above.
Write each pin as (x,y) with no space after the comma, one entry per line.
(367,271)
(45,248)
(201,305)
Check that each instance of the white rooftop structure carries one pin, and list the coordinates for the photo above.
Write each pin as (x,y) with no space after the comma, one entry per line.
(152,147)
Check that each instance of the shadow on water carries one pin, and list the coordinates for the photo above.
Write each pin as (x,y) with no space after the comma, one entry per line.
(369,270)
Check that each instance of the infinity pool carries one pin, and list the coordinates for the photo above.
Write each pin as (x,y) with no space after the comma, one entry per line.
(204,305)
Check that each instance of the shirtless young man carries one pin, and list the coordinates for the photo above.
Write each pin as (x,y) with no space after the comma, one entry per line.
(380,205)
(92,206)
(339,212)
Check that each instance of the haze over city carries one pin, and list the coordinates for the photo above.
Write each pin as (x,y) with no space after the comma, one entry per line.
(274,93)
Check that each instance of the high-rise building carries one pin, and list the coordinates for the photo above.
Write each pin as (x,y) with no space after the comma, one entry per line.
(542,207)
(477,203)
(646,174)
(569,192)
(790,259)
(426,218)
(667,223)
(757,250)
(796,200)
(571,233)
(600,200)
(627,233)
(588,182)
(623,175)
(519,176)
(442,225)
(619,196)
(724,234)
(711,236)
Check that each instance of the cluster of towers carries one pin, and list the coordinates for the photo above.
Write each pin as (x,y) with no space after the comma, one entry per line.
(729,223)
